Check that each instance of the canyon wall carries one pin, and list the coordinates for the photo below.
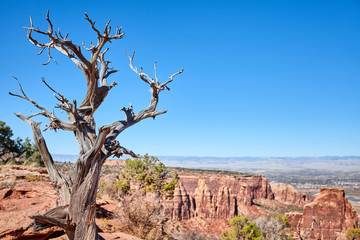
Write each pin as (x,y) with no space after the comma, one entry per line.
(287,194)
(211,196)
(216,196)
(331,212)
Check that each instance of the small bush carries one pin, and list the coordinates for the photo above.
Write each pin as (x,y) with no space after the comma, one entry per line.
(122,185)
(142,216)
(274,228)
(353,234)
(34,160)
(142,183)
(242,228)
(148,174)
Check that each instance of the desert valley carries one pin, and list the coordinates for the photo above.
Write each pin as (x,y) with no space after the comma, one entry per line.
(200,208)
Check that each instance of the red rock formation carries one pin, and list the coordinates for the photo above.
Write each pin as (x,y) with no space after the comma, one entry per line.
(204,201)
(287,194)
(116,162)
(225,205)
(180,206)
(17,204)
(333,215)
(216,196)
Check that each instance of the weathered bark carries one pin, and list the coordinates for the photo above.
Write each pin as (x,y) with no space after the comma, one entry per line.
(77,190)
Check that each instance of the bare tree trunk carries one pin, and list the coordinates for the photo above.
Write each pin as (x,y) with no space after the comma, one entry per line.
(77,190)
(77,197)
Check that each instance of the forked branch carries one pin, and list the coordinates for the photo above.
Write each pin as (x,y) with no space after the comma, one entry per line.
(95,75)
(156,88)
(117,150)
(102,38)
(307,233)
(64,104)
(55,122)
(60,43)
(111,146)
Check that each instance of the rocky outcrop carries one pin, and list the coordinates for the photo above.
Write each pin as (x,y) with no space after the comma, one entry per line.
(180,206)
(286,193)
(204,200)
(225,204)
(216,196)
(26,191)
(332,212)
(21,201)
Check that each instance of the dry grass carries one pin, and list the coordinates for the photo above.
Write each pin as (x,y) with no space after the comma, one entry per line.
(36,178)
(8,183)
(142,216)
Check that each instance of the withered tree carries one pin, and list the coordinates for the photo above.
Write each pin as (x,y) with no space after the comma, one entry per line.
(77,189)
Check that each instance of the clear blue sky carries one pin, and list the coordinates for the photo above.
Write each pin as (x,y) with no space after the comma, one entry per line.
(262,78)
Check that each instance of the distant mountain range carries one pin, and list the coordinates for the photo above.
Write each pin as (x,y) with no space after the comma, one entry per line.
(64,158)
(251,164)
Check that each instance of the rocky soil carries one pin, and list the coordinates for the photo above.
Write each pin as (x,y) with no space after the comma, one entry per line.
(25,191)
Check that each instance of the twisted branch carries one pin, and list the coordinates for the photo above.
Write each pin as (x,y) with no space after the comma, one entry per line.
(61,44)
(55,122)
(156,88)
(306,234)
(130,117)
(93,74)
(62,186)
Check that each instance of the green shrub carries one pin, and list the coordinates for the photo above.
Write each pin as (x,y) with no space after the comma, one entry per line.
(122,185)
(148,174)
(143,181)
(242,228)
(353,234)
(31,154)
(7,144)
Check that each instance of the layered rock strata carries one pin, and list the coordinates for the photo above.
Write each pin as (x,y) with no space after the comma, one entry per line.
(215,196)
(21,201)
(331,212)
(287,194)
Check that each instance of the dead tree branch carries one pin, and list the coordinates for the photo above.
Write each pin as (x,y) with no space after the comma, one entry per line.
(130,118)
(95,75)
(55,122)
(60,183)
(307,233)
(156,88)
(62,44)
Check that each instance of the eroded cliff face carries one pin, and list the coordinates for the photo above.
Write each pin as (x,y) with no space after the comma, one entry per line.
(287,194)
(215,196)
(332,212)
